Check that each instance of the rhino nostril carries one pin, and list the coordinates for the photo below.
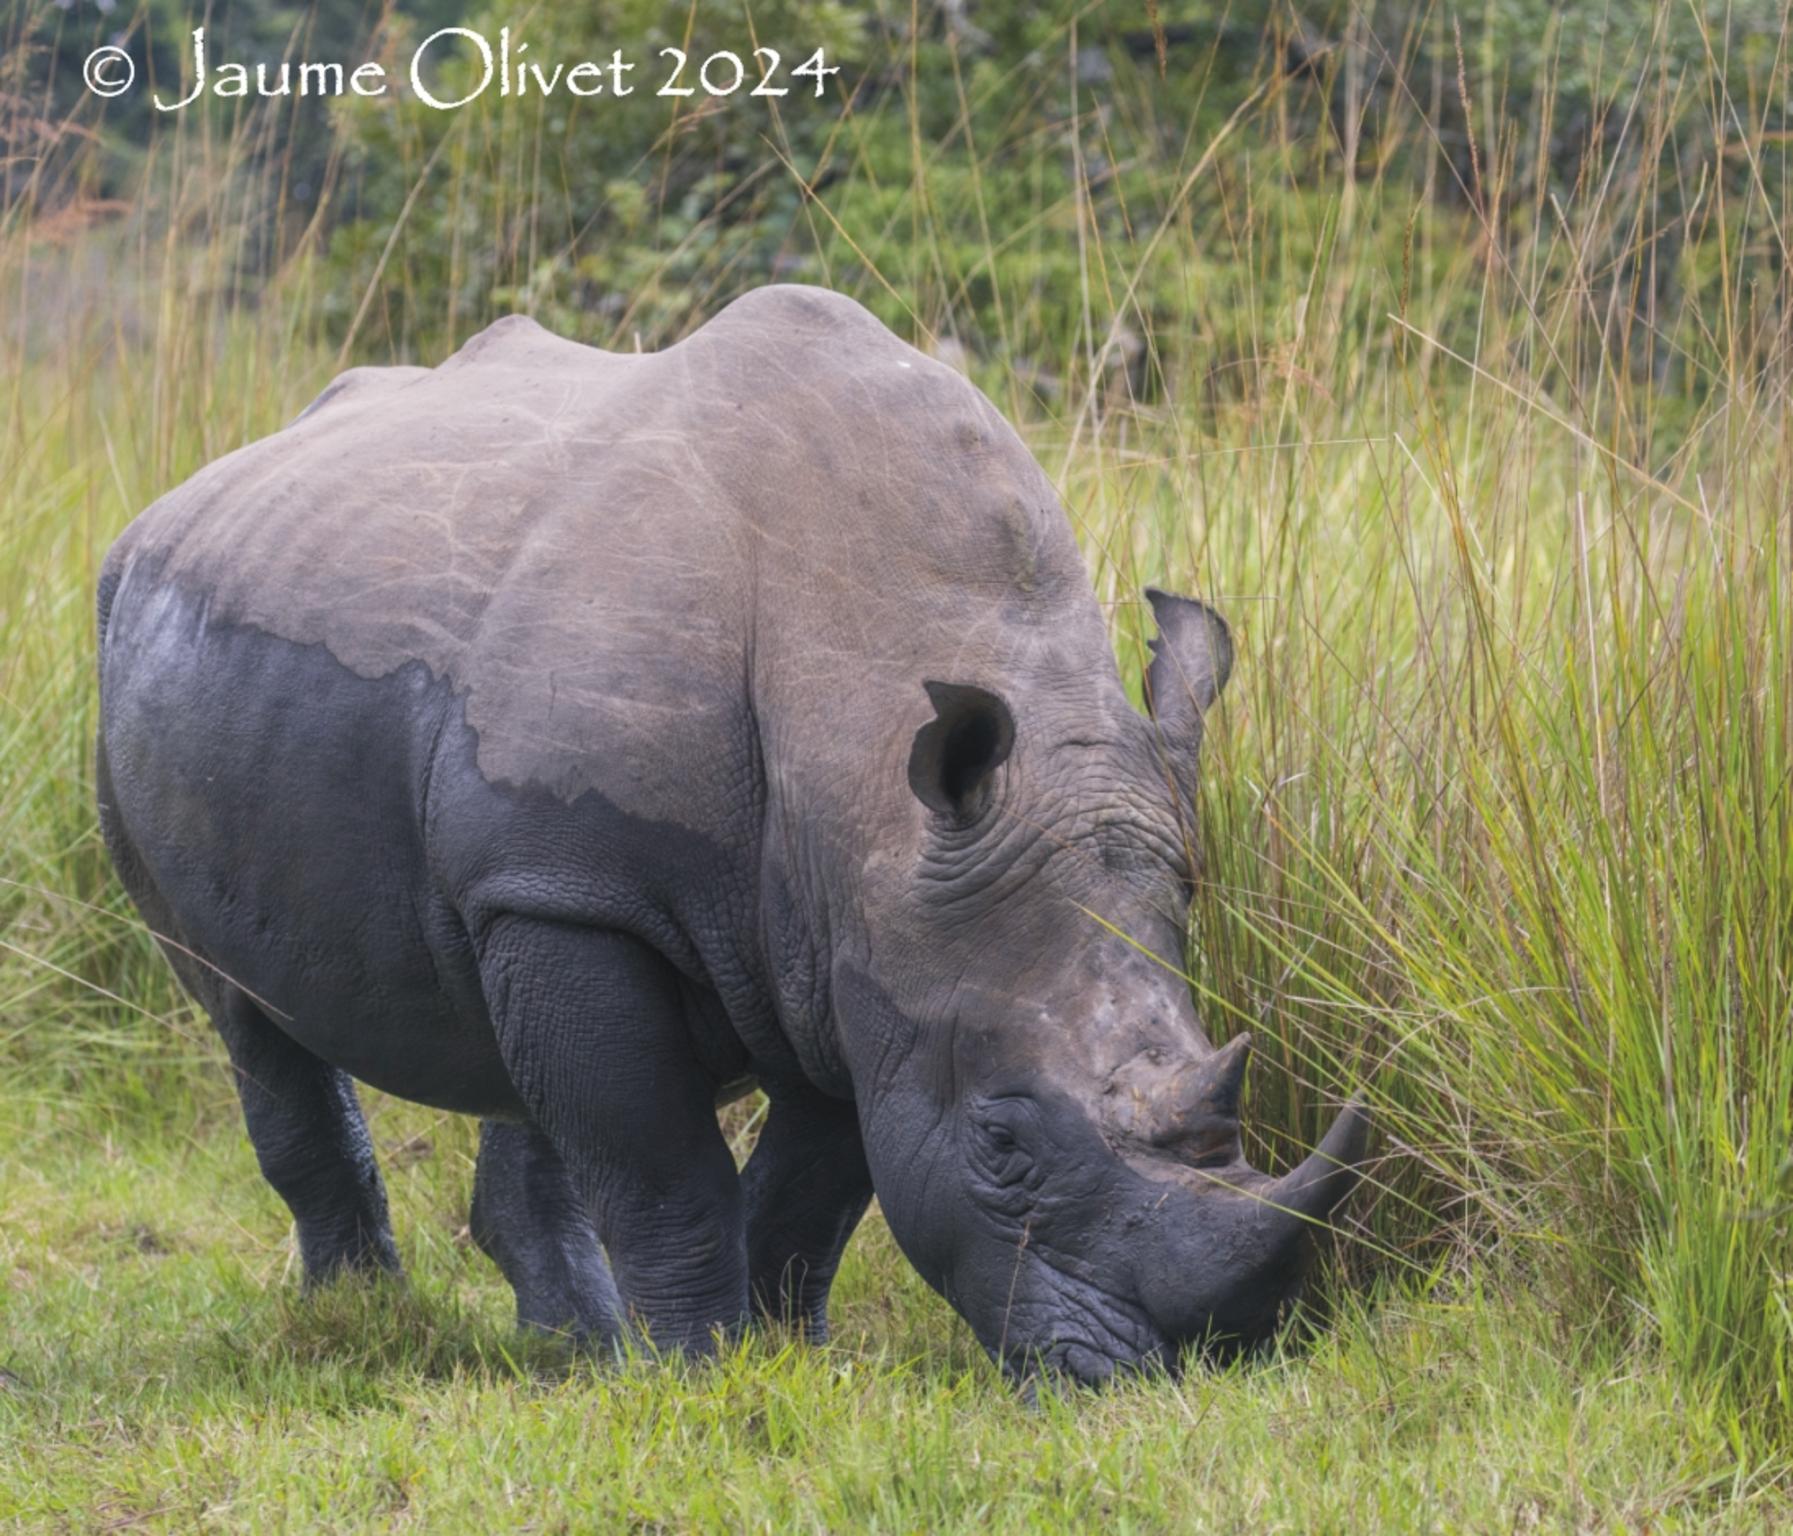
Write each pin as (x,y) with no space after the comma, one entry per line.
(1085,1364)
(1216,1147)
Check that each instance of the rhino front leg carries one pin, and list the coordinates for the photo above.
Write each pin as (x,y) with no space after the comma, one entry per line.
(528,1219)
(807,1186)
(595,1034)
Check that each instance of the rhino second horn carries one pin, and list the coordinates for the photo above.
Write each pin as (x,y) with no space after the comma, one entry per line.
(1190,1109)
(1202,1100)
(1223,1077)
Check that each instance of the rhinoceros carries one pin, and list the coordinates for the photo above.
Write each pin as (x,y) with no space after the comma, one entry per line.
(576,739)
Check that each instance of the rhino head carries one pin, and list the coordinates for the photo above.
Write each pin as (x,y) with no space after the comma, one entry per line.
(1054,1141)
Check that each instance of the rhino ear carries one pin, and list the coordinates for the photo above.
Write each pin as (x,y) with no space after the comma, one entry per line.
(956,754)
(1192,657)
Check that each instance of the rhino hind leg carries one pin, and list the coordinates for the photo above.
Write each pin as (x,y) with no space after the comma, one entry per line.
(309,1135)
(312,1143)
(595,1032)
(303,1118)
(807,1185)
(528,1219)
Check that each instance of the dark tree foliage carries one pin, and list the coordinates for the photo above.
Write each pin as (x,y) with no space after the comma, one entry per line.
(958,166)
(60,140)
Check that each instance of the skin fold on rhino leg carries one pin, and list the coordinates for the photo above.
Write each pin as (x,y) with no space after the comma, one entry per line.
(303,1118)
(528,1219)
(595,1037)
(806,1186)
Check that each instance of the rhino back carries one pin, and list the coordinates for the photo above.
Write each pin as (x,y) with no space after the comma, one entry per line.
(605,554)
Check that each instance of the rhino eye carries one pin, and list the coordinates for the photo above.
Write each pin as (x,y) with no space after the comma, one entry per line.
(1000,1145)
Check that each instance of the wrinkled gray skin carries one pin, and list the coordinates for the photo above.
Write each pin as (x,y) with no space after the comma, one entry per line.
(572,739)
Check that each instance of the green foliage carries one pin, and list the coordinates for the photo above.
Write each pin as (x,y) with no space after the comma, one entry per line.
(961,167)
(60,141)
(639,208)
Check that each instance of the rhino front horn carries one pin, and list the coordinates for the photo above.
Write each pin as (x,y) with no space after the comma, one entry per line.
(1330,1172)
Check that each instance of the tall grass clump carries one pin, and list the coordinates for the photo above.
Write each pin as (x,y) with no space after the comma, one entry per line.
(1456,373)
(139,339)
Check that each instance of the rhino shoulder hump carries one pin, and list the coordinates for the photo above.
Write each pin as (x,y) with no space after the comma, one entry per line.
(517,341)
(795,311)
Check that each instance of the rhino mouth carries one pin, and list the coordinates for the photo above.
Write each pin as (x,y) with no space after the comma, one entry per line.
(1088,1360)
(1087,1366)
(1079,1337)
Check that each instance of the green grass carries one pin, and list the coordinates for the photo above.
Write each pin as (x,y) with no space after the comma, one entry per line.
(162,1373)
(1499,833)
